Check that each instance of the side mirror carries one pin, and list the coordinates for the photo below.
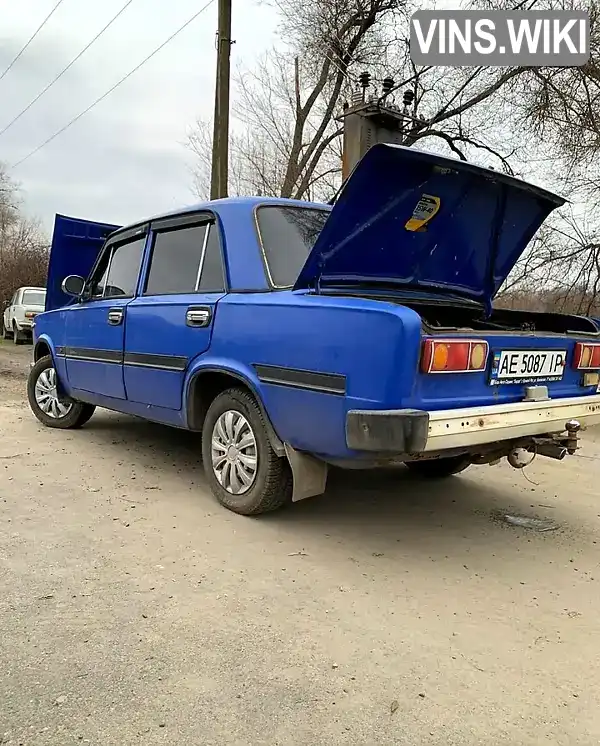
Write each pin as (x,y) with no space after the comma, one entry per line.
(73,285)
(6,303)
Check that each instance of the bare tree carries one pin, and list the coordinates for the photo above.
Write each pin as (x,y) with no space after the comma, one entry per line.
(561,269)
(286,137)
(8,200)
(23,247)
(540,122)
(286,106)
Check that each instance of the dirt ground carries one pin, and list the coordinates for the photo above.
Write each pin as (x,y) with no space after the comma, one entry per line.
(134,610)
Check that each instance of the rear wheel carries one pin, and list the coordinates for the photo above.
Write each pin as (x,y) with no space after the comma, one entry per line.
(243,471)
(48,404)
(439,468)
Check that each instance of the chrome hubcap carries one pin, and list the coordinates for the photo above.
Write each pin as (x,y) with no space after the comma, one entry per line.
(234,453)
(46,395)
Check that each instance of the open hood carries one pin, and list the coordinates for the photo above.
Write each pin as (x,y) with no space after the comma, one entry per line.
(75,246)
(417,219)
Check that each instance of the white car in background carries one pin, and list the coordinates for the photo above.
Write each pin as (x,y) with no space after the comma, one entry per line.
(17,321)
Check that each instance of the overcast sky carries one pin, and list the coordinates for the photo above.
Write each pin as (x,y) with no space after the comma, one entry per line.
(125,159)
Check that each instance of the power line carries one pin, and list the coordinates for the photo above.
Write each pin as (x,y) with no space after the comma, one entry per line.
(64,70)
(115,86)
(31,38)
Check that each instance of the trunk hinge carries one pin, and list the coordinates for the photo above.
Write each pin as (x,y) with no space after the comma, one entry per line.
(317,287)
(497,232)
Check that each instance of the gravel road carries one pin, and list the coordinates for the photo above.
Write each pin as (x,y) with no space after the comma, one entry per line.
(134,610)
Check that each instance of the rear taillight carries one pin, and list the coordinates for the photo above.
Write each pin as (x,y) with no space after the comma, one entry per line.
(454,356)
(587,356)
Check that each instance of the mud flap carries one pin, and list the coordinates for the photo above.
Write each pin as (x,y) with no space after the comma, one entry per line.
(309,474)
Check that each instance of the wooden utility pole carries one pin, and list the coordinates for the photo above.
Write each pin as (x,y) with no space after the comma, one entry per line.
(220,151)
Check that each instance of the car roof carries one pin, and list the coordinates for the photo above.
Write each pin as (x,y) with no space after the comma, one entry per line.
(31,287)
(248,203)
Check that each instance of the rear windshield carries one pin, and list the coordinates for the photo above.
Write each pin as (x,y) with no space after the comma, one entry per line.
(34,298)
(287,235)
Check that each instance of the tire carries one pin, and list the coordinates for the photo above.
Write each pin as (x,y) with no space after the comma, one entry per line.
(270,487)
(41,375)
(439,468)
(17,335)
(6,334)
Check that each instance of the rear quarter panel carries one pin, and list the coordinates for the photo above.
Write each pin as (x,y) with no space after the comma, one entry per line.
(373,345)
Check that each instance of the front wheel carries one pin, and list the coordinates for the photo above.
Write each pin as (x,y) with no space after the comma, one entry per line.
(439,468)
(244,473)
(18,337)
(48,404)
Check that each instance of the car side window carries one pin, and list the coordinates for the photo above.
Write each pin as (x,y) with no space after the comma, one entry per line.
(98,279)
(212,276)
(184,260)
(124,269)
(117,271)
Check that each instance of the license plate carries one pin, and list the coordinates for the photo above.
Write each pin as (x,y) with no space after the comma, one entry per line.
(527,366)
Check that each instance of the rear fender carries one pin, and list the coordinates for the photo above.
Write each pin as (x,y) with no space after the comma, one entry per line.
(238,372)
(309,474)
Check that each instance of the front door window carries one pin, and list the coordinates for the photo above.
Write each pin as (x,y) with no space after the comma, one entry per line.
(117,271)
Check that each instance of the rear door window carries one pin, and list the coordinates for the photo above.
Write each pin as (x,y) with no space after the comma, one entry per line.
(186,260)
(212,275)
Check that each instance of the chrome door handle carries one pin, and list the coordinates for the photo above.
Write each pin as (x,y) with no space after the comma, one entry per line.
(199,316)
(115,316)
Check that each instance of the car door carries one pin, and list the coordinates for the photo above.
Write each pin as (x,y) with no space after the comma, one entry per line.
(95,327)
(171,320)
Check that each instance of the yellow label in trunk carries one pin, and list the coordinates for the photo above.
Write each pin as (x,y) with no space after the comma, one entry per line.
(427,207)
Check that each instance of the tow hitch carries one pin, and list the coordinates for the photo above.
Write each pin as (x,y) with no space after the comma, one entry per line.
(572,443)
(556,447)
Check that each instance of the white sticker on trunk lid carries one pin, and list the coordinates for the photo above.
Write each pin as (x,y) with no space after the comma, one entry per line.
(427,207)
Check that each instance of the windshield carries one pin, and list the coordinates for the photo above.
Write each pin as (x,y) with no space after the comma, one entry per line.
(287,235)
(34,297)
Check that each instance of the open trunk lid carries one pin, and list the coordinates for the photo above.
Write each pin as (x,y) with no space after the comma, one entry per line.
(76,244)
(417,219)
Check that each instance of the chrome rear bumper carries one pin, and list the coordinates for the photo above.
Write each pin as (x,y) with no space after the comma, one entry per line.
(417,431)
(452,428)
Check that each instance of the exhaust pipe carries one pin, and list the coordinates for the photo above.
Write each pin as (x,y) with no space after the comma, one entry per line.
(550,450)
(519,458)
